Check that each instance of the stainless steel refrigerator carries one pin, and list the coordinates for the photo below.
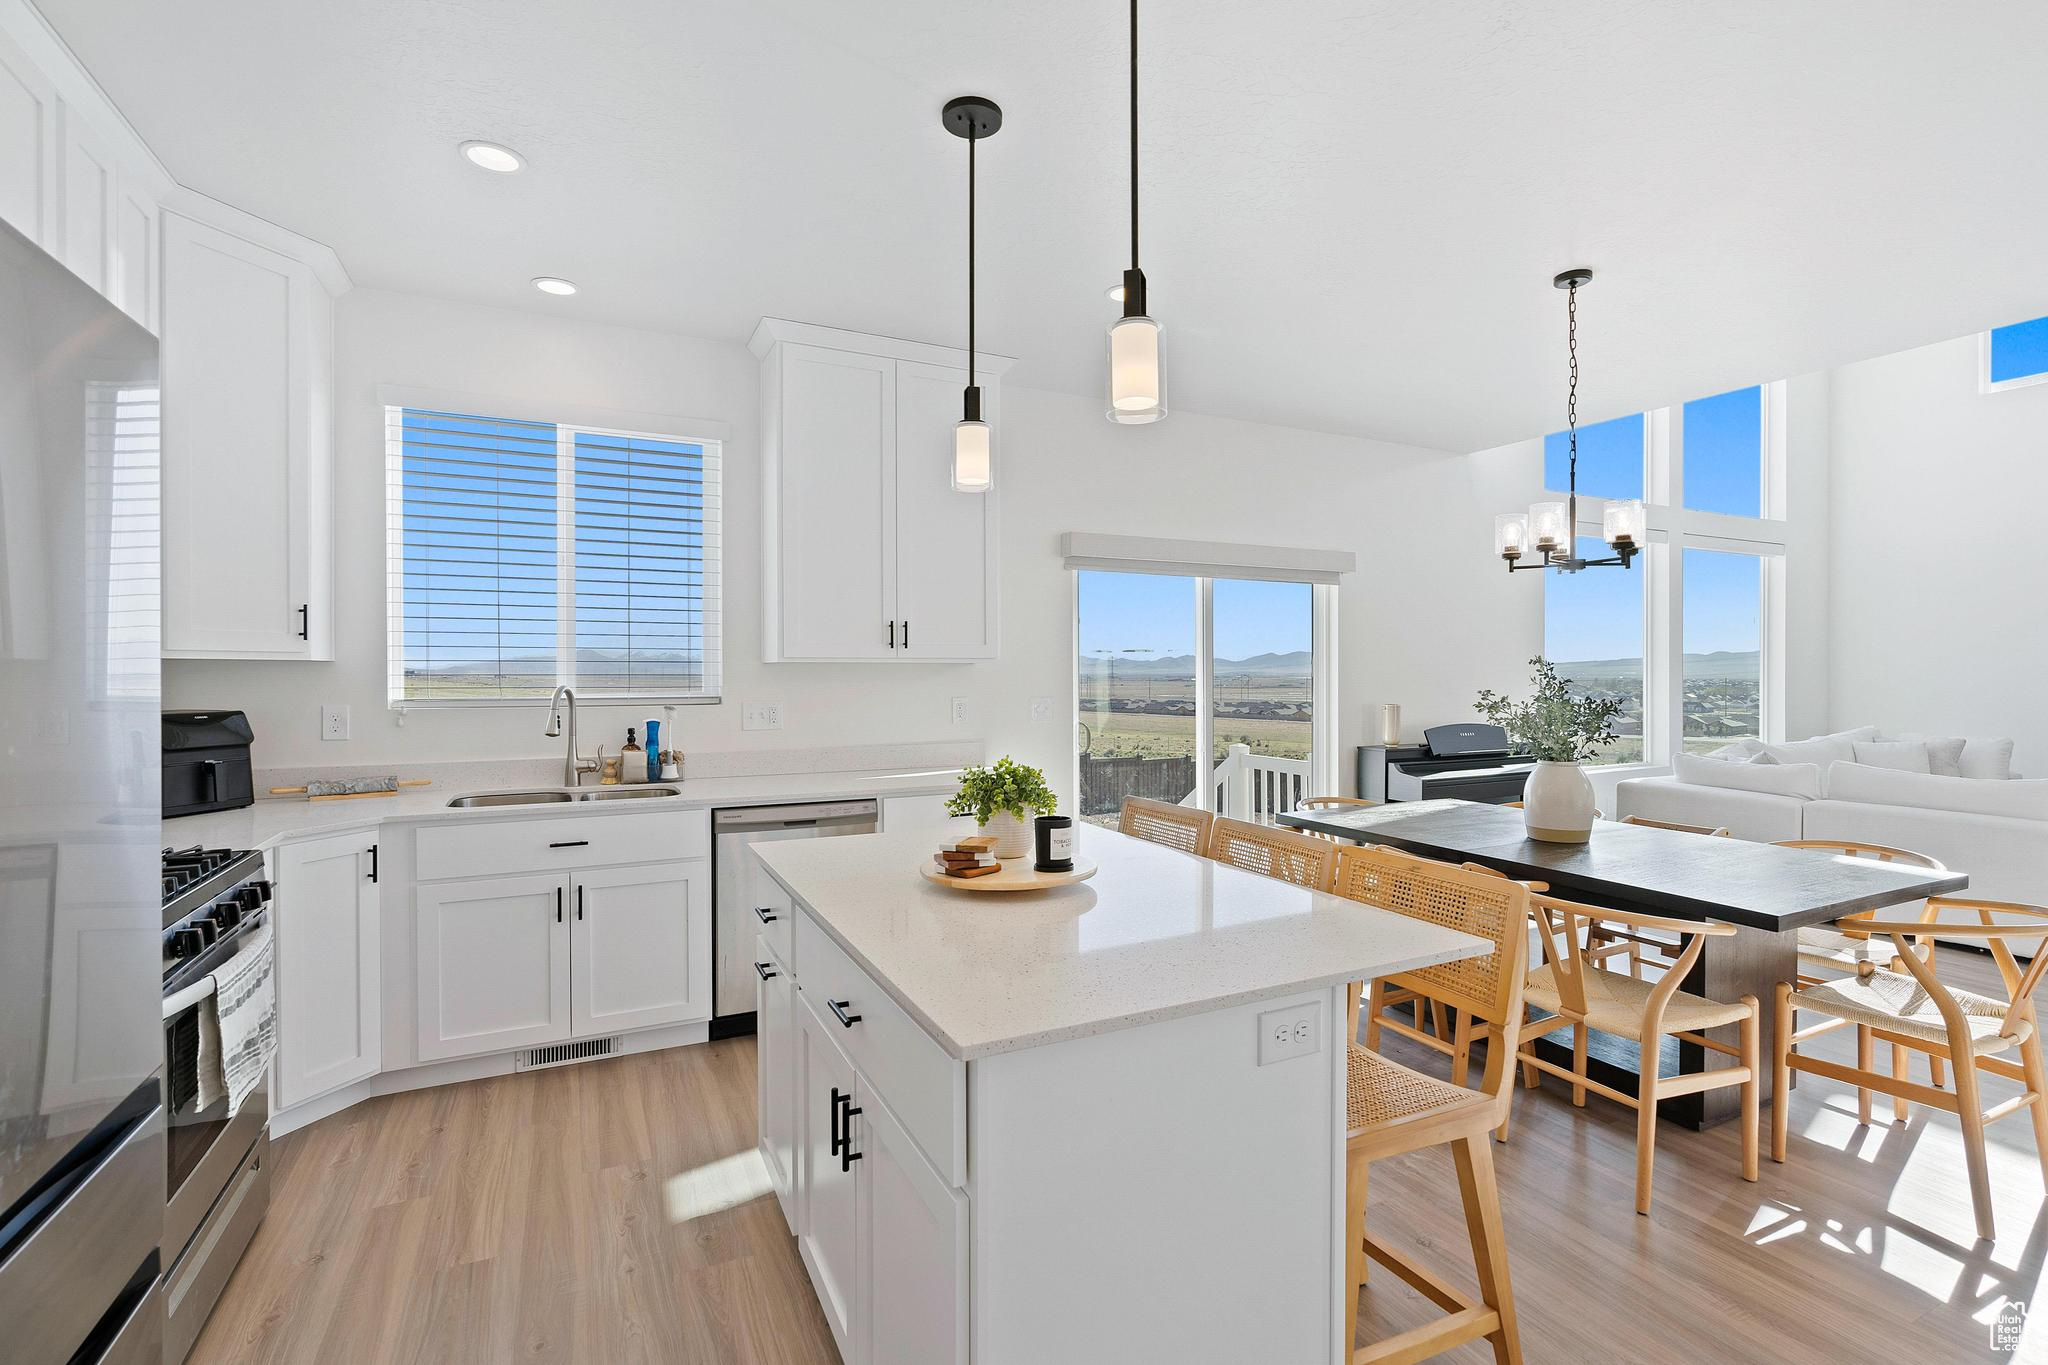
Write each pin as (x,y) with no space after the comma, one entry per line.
(82,1159)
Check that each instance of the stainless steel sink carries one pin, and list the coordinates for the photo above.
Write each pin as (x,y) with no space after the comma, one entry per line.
(545,798)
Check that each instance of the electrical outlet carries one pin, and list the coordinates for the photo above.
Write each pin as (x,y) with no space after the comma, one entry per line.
(959,710)
(761,715)
(1041,708)
(334,722)
(1296,1031)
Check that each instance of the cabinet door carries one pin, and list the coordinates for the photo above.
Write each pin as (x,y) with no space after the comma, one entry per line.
(640,946)
(828,1212)
(914,1242)
(833,504)
(242,351)
(329,966)
(86,186)
(28,133)
(136,253)
(493,965)
(775,1063)
(945,541)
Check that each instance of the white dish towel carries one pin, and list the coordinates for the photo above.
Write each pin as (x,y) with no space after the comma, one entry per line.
(238,1026)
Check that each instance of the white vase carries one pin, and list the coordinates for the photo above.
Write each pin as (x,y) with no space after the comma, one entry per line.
(1557,804)
(1012,833)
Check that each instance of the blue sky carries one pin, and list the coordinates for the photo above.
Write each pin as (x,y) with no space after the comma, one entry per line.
(1155,614)
(2019,350)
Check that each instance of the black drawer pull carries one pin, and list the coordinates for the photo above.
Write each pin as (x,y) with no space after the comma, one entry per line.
(847,1156)
(838,1008)
(571,843)
(764,971)
(305,622)
(764,914)
(838,1138)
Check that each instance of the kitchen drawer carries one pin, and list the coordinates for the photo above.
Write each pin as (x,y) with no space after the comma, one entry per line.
(497,848)
(774,914)
(923,1087)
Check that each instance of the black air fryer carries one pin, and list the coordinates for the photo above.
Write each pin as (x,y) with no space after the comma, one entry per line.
(206,762)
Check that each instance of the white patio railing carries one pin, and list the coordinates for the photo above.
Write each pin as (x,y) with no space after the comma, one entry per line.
(1254,787)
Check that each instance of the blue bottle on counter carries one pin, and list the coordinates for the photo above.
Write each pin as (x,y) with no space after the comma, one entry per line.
(654,751)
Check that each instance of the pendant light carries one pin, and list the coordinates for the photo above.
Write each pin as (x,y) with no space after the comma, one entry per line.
(974,471)
(1137,373)
(1550,528)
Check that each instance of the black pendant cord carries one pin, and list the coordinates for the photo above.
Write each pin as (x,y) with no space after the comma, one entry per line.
(1571,417)
(1134,134)
(971,140)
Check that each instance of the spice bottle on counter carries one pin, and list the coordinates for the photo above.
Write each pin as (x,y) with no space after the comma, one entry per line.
(632,760)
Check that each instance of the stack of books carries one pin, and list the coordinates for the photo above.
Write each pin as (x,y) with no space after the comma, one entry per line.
(973,857)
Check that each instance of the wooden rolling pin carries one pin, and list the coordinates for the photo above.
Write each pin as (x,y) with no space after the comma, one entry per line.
(352,789)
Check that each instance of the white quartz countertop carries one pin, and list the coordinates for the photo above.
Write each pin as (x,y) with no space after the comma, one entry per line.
(273,820)
(1153,935)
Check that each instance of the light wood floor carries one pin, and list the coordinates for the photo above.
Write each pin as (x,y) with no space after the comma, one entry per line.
(612,1212)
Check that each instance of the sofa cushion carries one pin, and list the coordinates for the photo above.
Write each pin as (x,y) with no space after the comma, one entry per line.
(1987,758)
(1780,778)
(1905,755)
(2018,799)
(1993,758)
(1945,757)
(1741,751)
(1823,749)
(1746,815)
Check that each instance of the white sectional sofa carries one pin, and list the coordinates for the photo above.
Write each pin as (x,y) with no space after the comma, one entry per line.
(1993,828)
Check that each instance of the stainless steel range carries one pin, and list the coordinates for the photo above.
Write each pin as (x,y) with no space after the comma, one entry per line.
(216,904)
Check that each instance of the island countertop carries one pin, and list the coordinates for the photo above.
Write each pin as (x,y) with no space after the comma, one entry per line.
(1155,934)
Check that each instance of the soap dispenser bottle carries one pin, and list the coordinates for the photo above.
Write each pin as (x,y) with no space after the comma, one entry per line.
(632,760)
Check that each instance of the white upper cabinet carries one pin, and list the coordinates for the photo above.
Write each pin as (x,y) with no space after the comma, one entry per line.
(28,139)
(868,553)
(247,341)
(87,180)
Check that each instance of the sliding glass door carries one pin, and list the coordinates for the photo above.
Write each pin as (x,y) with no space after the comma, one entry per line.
(1197,691)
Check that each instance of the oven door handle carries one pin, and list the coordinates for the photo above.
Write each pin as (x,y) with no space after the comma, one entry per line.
(179,1001)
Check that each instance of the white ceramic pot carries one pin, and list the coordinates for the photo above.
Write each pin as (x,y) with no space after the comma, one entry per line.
(1013,835)
(1557,804)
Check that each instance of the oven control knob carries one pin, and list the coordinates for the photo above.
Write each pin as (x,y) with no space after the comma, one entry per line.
(252,897)
(207,930)
(227,914)
(184,943)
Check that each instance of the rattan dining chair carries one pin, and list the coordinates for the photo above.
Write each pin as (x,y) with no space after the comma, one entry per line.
(1913,1009)
(1158,822)
(1608,940)
(1393,1110)
(1285,854)
(1575,988)
(1841,948)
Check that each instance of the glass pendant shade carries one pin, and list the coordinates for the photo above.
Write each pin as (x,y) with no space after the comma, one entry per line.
(1547,528)
(973,458)
(1137,377)
(1621,523)
(1511,535)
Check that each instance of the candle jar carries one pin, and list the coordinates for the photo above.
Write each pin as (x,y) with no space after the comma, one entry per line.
(1054,839)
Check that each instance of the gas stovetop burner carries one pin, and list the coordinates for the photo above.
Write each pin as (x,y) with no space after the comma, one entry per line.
(185,866)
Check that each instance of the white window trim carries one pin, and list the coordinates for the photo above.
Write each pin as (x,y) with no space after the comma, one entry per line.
(1986,384)
(569,421)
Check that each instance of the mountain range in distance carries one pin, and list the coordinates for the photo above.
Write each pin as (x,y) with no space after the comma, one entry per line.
(1294,664)
(1722,664)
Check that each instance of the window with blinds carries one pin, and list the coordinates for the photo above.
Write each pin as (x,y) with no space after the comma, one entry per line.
(524,555)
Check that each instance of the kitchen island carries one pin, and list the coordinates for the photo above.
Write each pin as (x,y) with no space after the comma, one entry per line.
(1097,1124)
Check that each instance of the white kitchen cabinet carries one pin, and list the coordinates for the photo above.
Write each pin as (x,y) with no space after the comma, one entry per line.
(868,553)
(640,947)
(326,930)
(247,342)
(828,1231)
(28,133)
(775,1068)
(86,180)
(492,960)
(913,1241)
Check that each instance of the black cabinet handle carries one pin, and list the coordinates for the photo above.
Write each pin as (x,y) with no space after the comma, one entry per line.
(847,1156)
(838,1138)
(892,635)
(906,634)
(305,622)
(579,900)
(373,862)
(571,843)
(838,1008)
(558,905)
(764,971)
(764,914)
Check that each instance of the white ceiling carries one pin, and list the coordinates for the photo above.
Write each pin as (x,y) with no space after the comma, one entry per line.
(1352,211)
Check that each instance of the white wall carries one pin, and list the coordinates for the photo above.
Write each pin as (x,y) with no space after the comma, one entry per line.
(1429,618)
(1936,557)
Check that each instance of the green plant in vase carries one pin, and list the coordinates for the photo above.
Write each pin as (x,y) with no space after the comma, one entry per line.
(1561,729)
(1002,798)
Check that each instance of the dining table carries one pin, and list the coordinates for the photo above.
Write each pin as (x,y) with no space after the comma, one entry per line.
(1766,891)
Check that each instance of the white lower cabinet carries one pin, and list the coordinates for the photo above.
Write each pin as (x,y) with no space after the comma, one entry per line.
(775,1065)
(884,1236)
(493,960)
(515,962)
(325,930)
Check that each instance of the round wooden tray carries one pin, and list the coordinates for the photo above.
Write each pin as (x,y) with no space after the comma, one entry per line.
(1017,875)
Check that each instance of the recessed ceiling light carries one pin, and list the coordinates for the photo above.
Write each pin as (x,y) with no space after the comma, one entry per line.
(549,284)
(491,156)
(1115,293)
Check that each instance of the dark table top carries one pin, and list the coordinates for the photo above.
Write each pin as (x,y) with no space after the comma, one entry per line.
(1661,871)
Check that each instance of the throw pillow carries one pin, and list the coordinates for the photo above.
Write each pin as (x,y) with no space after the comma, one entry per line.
(1987,758)
(1800,780)
(1823,749)
(1903,754)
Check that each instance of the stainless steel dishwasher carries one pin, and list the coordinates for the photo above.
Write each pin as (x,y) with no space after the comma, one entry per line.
(735,875)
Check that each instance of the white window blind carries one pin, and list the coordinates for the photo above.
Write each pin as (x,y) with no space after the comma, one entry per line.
(523,555)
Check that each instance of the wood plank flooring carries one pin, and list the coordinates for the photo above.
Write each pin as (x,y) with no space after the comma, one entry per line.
(614,1212)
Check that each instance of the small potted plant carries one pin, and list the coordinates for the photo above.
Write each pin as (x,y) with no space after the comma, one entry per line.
(1002,798)
(1562,730)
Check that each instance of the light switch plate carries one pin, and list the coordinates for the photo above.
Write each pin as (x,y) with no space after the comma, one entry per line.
(334,722)
(1293,1031)
(761,715)
(959,710)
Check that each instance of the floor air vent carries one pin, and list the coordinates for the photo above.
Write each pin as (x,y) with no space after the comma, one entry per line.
(563,1053)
